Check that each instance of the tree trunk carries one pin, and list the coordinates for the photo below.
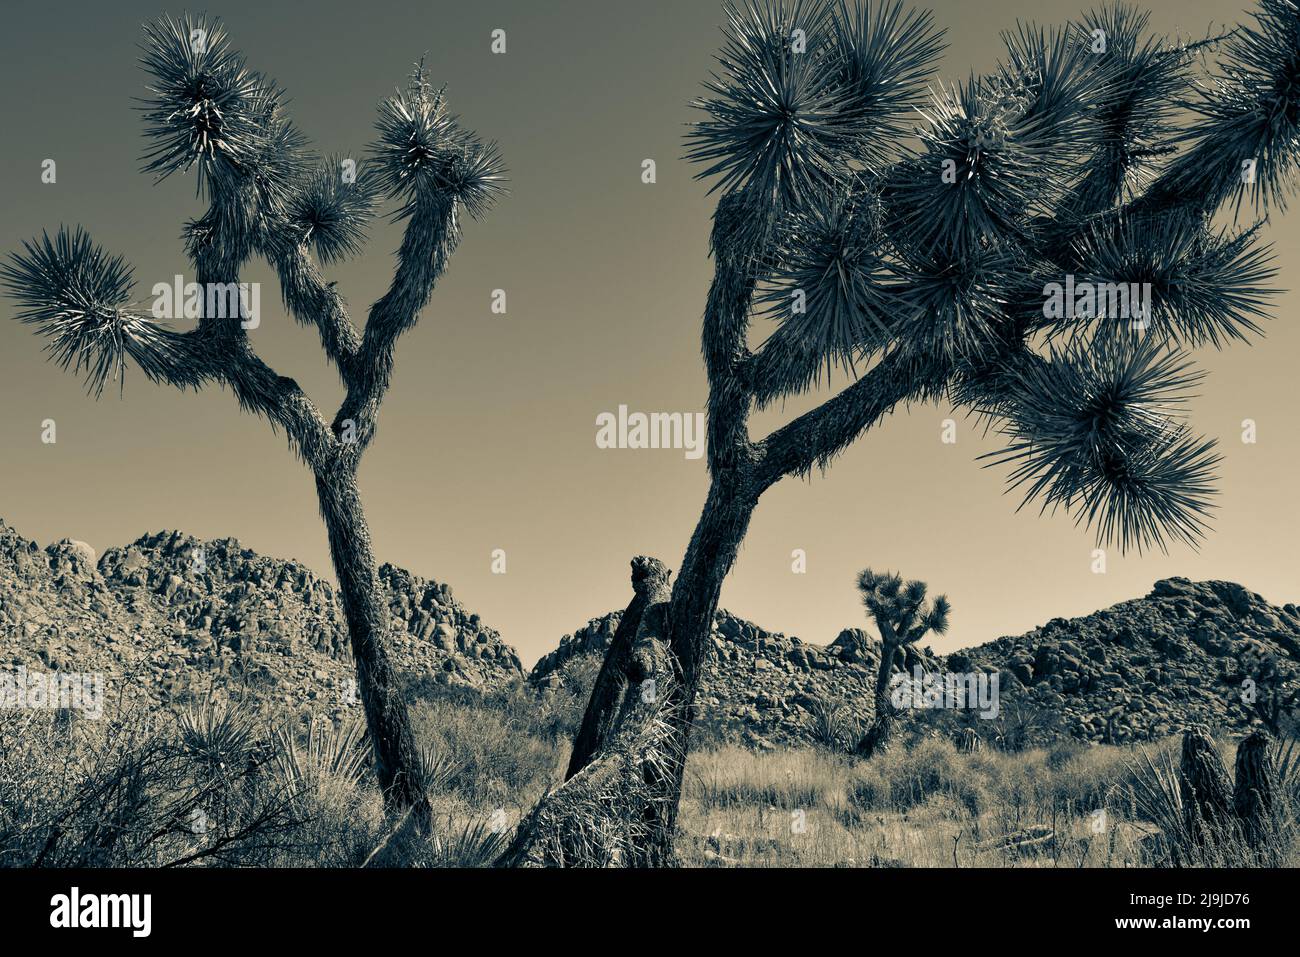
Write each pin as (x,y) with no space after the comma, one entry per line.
(620,807)
(1254,796)
(709,559)
(397,759)
(650,586)
(882,720)
(1205,790)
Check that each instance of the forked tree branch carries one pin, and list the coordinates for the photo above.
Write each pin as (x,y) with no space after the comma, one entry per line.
(430,238)
(817,436)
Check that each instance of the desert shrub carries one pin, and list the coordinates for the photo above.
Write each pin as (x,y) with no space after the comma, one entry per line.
(834,726)
(1023,723)
(502,756)
(137,788)
(904,778)
(791,779)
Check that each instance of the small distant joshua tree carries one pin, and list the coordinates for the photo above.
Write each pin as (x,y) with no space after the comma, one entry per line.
(903,617)
(918,240)
(207,112)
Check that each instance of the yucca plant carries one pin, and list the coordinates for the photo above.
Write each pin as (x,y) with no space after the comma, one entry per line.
(329,750)
(207,112)
(474,844)
(1206,819)
(933,266)
(832,724)
(219,733)
(903,617)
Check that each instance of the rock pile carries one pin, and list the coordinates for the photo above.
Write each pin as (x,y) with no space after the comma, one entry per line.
(1138,670)
(169,616)
(1188,653)
(768,688)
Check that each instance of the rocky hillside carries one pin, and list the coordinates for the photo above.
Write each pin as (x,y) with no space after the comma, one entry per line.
(760,685)
(1147,667)
(169,616)
(1137,670)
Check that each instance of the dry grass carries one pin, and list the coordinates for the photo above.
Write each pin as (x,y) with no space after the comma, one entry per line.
(121,791)
(922,805)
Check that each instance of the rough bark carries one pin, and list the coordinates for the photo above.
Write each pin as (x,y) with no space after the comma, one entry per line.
(882,718)
(398,763)
(649,585)
(1205,789)
(620,808)
(1254,796)
(696,592)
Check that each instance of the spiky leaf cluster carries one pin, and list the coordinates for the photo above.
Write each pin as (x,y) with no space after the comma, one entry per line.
(1205,288)
(77,296)
(774,112)
(422,154)
(331,213)
(830,295)
(205,106)
(900,608)
(1248,112)
(1133,122)
(881,55)
(1096,427)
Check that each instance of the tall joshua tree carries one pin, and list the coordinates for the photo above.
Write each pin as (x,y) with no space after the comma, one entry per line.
(903,617)
(918,265)
(266,196)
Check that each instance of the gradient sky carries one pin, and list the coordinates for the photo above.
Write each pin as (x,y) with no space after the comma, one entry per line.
(487,439)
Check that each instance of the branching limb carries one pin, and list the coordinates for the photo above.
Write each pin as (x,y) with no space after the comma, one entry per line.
(817,436)
(313,301)
(431,236)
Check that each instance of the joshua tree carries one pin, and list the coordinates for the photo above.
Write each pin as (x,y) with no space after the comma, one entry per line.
(920,266)
(207,112)
(903,618)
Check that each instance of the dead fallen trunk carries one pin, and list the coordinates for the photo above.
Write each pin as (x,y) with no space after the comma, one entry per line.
(612,810)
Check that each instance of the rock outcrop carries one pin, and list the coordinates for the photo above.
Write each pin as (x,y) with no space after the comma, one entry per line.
(763,686)
(169,616)
(1188,653)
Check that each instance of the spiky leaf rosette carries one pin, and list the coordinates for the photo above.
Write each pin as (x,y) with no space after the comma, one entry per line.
(205,105)
(1248,112)
(1095,427)
(1055,82)
(882,592)
(829,291)
(1144,81)
(972,185)
(1205,288)
(953,311)
(330,214)
(778,118)
(76,295)
(422,154)
(900,607)
(881,55)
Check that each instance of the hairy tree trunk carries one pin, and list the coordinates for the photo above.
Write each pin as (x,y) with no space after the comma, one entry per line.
(1254,796)
(882,719)
(708,560)
(620,807)
(1205,790)
(649,586)
(397,759)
